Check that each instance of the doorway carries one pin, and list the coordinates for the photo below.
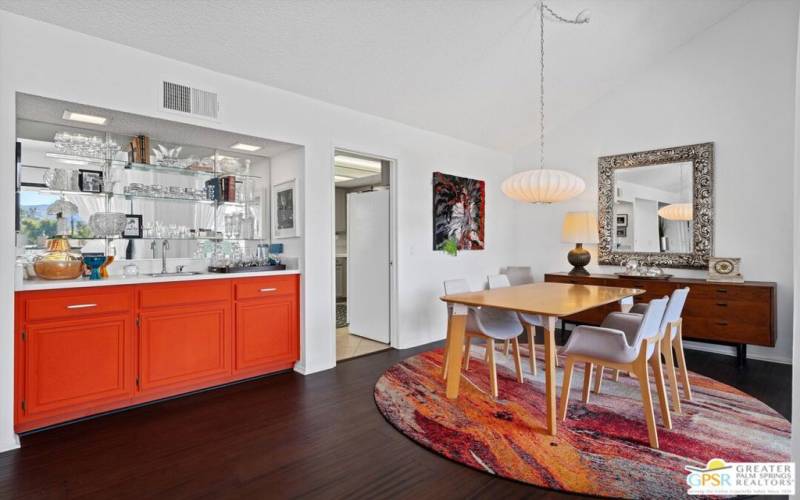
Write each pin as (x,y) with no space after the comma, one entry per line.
(363,241)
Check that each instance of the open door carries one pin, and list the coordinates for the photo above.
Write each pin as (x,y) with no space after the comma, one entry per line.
(368,264)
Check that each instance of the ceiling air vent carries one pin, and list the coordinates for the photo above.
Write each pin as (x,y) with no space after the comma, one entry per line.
(185,99)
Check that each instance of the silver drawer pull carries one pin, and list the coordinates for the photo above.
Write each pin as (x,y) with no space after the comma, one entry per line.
(269,289)
(81,306)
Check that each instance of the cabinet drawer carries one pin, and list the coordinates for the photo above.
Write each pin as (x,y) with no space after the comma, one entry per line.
(751,313)
(175,294)
(726,291)
(265,287)
(726,331)
(76,304)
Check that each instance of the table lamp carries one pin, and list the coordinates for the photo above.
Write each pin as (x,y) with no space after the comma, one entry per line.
(579,228)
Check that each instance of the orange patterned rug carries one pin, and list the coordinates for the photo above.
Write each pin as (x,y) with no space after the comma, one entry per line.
(601,449)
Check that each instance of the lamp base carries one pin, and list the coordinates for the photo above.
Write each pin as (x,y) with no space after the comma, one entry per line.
(579,257)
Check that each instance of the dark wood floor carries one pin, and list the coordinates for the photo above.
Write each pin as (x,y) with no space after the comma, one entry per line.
(284,436)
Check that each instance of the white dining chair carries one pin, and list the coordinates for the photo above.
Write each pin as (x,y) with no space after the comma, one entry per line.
(671,345)
(624,342)
(529,321)
(487,324)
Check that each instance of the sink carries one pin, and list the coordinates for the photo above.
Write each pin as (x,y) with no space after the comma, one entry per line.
(168,275)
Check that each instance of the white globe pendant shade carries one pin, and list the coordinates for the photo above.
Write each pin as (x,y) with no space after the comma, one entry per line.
(543,186)
(677,211)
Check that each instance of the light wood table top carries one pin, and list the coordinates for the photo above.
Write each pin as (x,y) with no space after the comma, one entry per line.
(550,299)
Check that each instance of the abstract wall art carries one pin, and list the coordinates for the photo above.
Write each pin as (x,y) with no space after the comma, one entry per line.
(459,206)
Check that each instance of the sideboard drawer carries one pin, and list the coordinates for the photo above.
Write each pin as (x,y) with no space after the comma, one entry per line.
(251,288)
(60,305)
(725,331)
(734,311)
(724,291)
(184,293)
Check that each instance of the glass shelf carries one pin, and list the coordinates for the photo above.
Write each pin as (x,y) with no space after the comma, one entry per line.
(148,238)
(186,200)
(60,192)
(148,167)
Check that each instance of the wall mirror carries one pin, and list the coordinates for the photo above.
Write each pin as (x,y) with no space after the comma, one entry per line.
(657,206)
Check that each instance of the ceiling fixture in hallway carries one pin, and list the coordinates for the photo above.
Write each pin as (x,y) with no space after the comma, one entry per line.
(544,185)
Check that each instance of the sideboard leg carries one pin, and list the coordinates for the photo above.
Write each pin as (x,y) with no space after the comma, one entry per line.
(741,355)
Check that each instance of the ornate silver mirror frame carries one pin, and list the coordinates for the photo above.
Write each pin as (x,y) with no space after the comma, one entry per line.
(702,158)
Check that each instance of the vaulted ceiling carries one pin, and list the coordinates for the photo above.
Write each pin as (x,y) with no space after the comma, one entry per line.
(463,68)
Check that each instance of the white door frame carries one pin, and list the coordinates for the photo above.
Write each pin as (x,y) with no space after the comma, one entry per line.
(394,339)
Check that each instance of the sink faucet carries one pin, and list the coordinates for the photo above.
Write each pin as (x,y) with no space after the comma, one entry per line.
(153,248)
(164,248)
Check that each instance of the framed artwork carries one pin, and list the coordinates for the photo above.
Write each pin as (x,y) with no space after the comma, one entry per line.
(133,226)
(622,232)
(459,206)
(622,220)
(284,210)
(90,181)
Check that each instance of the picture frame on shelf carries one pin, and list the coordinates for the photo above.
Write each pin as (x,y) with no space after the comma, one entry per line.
(725,269)
(90,181)
(133,226)
(622,232)
(622,220)
(284,212)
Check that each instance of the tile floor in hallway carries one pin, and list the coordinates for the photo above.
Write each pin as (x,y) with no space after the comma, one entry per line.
(350,346)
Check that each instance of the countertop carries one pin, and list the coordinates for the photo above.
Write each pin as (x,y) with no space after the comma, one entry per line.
(40,284)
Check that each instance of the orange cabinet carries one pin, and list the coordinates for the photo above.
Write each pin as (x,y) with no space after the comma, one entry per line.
(84,351)
(74,365)
(183,345)
(266,332)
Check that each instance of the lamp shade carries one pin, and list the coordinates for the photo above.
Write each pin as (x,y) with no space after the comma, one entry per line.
(543,186)
(580,227)
(677,211)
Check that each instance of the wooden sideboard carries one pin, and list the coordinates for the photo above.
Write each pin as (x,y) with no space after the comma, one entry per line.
(727,313)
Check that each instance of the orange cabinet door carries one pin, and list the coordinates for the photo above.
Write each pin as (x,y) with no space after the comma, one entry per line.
(75,365)
(266,333)
(184,346)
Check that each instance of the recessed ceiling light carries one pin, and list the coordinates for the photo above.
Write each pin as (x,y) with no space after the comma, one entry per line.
(351,161)
(341,178)
(81,117)
(245,147)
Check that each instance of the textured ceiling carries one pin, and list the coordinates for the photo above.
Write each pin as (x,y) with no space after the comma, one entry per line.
(464,68)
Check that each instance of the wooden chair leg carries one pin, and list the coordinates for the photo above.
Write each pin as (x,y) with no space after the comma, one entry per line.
(517,360)
(598,380)
(587,381)
(678,344)
(492,368)
(669,361)
(565,385)
(486,352)
(531,347)
(616,375)
(446,350)
(506,346)
(655,364)
(467,351)
(640,369)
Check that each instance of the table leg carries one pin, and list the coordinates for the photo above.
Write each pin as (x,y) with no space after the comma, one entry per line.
(549,324)
(455,341)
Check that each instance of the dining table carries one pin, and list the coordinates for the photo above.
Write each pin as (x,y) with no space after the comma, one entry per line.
(550,301)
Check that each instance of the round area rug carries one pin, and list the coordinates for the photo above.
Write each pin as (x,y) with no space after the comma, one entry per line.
(601,449)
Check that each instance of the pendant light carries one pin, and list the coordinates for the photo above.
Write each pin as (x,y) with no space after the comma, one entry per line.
(677,211)
(545,185)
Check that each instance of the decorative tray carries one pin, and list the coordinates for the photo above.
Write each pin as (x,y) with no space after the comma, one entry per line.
(644,276)
(246,269)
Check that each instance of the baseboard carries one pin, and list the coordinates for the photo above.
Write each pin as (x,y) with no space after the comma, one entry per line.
(9,445)
(731,351)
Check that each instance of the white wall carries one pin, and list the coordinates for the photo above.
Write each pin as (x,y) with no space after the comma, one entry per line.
(27,64)
(733,85)
(283,168)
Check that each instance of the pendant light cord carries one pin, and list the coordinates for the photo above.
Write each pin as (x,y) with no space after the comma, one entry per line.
(541,84)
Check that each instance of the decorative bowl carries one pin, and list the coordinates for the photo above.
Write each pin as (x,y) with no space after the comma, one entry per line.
(107,224)
(58,262)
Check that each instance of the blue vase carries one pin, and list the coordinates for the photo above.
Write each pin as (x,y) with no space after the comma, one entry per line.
(93,262)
